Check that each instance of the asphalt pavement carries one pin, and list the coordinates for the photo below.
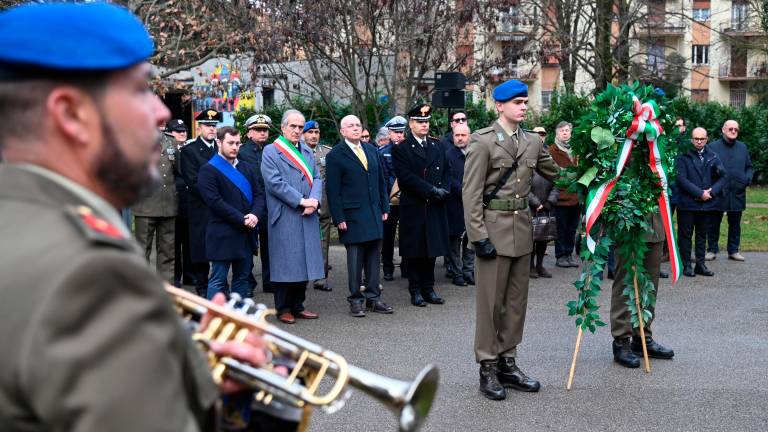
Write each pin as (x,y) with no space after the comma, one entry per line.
(718,380)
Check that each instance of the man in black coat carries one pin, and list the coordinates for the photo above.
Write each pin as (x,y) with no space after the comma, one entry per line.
(258,127)
(700,180)
(358,203)
(396,126)
(461,259)
(735,157)
(422,174)
(193,156)
(236,201)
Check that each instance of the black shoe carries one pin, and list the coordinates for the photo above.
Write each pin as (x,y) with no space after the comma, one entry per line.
(663,275)
(511,376)
(469,279)
(655,349)
(430,296)
(417,299)
(688,271)
(378,307)
(532,274)
(356,310)
(701,269)
(542,272)
(490,386)
(623,355)
(323,286)
(388,277)
(459,281)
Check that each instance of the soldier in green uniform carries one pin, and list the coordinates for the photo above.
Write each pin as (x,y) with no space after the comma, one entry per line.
(497,179)
(91,341)
(626,351)
(311,136)
(155,216)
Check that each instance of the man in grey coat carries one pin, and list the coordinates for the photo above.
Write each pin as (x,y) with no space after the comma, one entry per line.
(735,157)
(294,188)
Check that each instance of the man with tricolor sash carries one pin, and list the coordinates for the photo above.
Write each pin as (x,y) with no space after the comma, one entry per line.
(236,201)
(293,188)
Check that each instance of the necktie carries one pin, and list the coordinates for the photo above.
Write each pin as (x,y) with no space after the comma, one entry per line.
(701,156)
(361,155)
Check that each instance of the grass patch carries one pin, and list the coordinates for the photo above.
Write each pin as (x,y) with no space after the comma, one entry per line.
(754,230)
(757,195)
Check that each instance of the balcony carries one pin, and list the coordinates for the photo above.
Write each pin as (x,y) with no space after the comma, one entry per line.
(744,27)
(525,73)
(758,72)
(514,28)
(664,26)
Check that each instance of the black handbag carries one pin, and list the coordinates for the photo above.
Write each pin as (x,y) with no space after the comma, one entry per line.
(544,227)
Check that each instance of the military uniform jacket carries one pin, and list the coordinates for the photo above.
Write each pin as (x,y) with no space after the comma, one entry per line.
(251,153)
(491,153)
(423,221)
(91,341)
(163,202)
(193,156)
(321,152)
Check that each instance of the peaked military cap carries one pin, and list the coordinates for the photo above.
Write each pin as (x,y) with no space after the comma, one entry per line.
(311,125)
(420,112)
(48,40)
(509,90)
(258,121)
(209,117)
(396,123)
(175,125)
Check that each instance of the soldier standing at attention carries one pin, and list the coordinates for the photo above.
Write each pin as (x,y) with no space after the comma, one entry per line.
(311,135)
(91,341)
(155,215)
(497,179)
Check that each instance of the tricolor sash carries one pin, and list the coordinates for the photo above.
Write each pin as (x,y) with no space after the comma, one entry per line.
(294,155)
(645,124)
(232,174)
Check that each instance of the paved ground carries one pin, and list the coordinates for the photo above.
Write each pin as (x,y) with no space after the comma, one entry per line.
(717,381)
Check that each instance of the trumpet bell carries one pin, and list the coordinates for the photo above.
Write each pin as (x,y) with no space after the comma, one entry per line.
(421,393)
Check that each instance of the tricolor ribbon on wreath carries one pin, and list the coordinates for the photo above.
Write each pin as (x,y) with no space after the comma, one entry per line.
(645,123)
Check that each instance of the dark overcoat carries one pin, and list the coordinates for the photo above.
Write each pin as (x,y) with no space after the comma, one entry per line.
(455,206)
(193,156)
(738,165)
(355,195)
(226,236)
(250,153)
(423,221)
(693,176)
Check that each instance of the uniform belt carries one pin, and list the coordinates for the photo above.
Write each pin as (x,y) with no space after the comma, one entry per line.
(508,204)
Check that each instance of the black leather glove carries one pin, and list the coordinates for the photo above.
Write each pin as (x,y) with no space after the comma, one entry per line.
(547,206)
(439,193)
(484,249)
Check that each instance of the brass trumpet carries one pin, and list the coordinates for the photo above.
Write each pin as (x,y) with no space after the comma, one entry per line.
(410,401)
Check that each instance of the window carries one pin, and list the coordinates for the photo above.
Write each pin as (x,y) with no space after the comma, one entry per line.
(700,54)
(738,94)
(268,95)
(739,16)
(656,58)
(701,14)
(546,97)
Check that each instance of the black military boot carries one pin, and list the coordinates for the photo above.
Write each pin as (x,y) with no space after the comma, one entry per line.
(489,381)
(655,349)
(511,376)
(623,355)
(416,298)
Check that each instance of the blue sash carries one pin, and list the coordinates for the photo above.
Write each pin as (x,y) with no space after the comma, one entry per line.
(232,174)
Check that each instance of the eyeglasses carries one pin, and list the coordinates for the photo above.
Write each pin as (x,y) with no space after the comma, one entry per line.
(460,120)
(732,129)
(365,136)
(699,139)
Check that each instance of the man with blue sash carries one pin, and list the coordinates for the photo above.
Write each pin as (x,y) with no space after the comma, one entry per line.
(236,202)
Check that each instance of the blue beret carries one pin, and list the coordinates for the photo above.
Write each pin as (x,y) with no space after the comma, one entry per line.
(510,90)
(72,37)
(310,125)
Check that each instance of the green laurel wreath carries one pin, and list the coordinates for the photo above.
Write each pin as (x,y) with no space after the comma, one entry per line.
(597,138)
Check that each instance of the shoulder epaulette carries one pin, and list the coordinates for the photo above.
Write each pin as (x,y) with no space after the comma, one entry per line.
(485,130)
(97,229)
(327,147)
